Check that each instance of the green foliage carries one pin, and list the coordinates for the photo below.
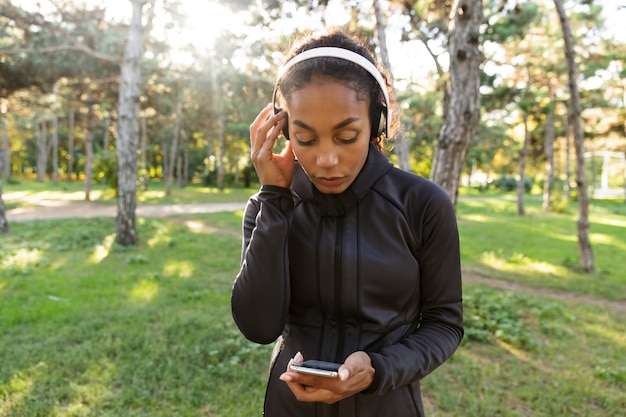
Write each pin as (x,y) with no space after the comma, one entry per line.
(607,370)
(491,315)
(507,184)
(31,30)
(105,168)
(421,124)
(511,22)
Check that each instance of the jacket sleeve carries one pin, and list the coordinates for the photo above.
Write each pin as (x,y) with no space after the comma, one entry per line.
(260,295)
(440,327)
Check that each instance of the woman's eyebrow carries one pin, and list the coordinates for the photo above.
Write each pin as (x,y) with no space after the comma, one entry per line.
(337,126)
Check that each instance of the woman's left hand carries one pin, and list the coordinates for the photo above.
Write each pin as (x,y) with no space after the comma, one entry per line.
(355,375)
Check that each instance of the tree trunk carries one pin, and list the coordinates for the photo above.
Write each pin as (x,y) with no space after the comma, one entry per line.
(143,163)
(624,84)
(174,148)
(89,148)
(106,143)
(521,183)
(70,146)
(217,101)
(548,185)
(165,159)
(55,148)
(220,152)
(55,136)
(400,145)
(7,149)
(42,151)
(584,244)
(4,224)
(568,157)
(463,108)
(179,171)
(128,109)
(185,176)
(624,177)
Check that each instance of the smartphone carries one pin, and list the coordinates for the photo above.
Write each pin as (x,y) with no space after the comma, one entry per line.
(319,368)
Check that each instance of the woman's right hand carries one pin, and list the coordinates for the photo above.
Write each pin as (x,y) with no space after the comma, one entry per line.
(355,375)
(272,169)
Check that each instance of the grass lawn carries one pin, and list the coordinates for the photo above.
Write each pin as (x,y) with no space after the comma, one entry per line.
(541,249)
(88,328)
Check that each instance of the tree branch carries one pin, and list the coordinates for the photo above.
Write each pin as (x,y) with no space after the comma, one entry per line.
(37,19)
(57,48)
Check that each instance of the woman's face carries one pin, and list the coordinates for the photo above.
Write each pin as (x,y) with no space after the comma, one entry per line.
(329,129)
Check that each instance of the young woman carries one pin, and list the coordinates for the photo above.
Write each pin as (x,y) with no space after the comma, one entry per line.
(346,259)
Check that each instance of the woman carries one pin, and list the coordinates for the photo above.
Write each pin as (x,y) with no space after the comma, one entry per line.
(345,258)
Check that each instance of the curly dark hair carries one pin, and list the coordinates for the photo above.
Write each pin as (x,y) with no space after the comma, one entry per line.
(336,69)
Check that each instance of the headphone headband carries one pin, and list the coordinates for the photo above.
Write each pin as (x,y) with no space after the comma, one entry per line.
(346,55)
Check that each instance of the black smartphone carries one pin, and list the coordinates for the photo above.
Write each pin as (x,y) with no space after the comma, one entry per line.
(319,368)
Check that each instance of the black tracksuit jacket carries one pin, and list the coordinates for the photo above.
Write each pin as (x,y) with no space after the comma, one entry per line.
(375,269)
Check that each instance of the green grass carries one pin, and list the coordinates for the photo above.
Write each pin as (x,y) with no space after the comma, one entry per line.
(88,328)
(541,249)
(92,329)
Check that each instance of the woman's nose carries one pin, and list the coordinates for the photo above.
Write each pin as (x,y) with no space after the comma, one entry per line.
(327,157)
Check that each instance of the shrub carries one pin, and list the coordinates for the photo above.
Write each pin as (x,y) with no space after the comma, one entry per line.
(507,184)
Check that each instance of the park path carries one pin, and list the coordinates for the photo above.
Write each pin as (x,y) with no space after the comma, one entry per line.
(56,209)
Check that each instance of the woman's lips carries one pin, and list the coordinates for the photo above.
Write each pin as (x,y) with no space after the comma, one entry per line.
(329,181)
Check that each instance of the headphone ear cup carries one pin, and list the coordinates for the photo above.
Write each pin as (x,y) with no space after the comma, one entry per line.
(379,120)
(286,128)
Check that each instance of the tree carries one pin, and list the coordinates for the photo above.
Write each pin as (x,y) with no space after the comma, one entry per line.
(4,224)
(55,136)
(462,108)
(42,149)
(219,108)
(584,244)
(548,186)
(89,146)
(70,144)
(401,147)
(521,183)
(174,148)
(128,111)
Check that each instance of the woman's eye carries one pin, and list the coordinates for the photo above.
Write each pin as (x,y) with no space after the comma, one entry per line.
(346,136)
(304,140)
(347,139)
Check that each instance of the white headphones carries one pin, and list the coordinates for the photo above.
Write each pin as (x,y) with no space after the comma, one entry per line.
(347,55)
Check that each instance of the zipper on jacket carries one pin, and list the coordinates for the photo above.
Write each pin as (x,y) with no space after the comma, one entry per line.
(338,291)
(338,279)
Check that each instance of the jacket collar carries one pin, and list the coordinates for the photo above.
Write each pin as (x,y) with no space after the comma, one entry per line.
(334,205)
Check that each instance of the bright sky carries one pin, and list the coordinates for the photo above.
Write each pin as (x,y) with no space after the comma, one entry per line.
(615,14)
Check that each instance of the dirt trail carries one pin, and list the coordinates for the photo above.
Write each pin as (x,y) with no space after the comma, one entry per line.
(54,209)
(617,306)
